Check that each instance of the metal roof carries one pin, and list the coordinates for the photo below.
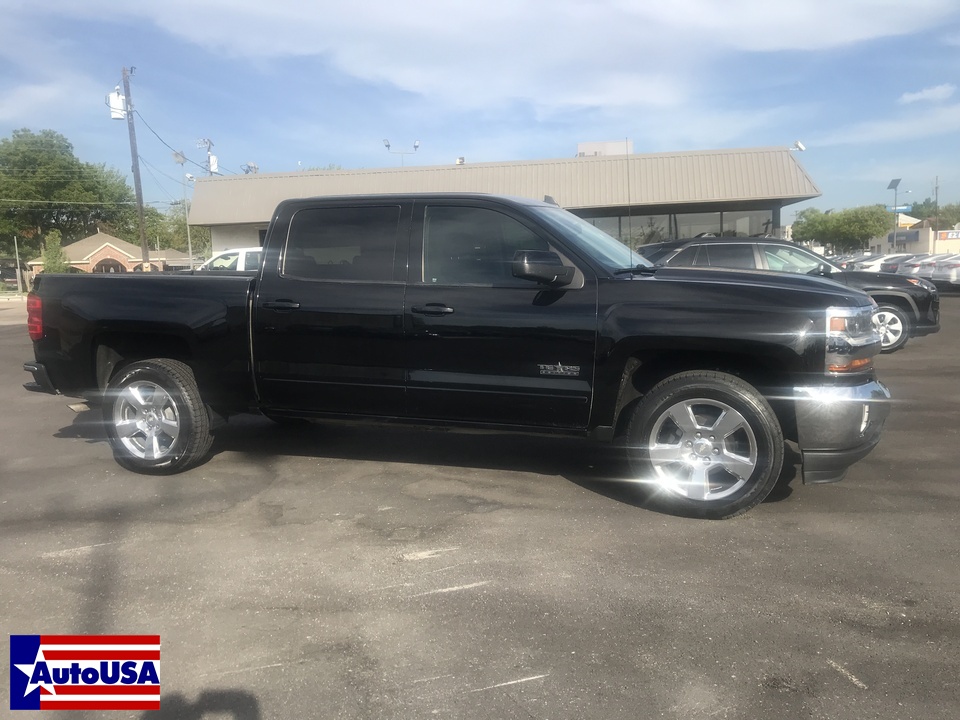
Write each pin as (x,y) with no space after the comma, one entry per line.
(770,174)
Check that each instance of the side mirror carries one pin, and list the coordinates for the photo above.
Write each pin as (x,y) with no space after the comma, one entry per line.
(542,266)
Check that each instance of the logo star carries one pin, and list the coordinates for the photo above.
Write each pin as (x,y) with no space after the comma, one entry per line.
(27,669)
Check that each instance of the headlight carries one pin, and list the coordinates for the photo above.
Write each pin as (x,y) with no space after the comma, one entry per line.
(852,340)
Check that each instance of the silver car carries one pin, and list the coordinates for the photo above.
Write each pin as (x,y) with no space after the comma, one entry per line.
(921,266)
(946,273)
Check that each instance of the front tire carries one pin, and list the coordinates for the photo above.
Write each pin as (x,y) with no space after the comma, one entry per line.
(155,418)
(705,444)
(894,327)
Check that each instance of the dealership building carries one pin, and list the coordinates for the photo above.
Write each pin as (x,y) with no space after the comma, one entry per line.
(638,198)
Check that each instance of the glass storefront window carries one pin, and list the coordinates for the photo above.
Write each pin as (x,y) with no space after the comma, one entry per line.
(636,230)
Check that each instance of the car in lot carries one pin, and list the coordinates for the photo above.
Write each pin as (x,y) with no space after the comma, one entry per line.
(8,275)
(906,306)
(875,263)
(894,264)
(922,265)
(946,273)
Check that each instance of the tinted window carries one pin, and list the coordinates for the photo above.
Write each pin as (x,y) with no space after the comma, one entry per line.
(352,243)
(252,260)
(655,253)
(473,246)
(729,256)
(684,257)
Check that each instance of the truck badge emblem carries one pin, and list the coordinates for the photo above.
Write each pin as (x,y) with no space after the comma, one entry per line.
(562,370)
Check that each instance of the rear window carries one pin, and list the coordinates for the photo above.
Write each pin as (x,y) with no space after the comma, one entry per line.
(728,256)
(655,253)
(342,243)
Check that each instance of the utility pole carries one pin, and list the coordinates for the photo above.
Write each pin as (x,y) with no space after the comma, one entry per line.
(135,156)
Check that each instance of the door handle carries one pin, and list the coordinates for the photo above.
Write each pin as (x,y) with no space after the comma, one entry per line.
(281,305)
(432,309)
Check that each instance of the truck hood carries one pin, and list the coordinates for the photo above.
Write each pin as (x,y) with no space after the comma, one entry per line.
(835,293)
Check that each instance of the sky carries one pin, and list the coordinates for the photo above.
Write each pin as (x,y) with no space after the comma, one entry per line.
(870,87)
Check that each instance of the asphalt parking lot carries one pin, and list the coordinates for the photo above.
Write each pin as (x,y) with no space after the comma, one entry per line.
(356,572)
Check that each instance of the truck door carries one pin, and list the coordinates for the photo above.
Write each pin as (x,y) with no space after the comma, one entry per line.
(328,315)
(484,346)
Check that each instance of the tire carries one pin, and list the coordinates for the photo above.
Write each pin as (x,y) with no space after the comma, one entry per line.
(894,327)
(155,418)
(704,444)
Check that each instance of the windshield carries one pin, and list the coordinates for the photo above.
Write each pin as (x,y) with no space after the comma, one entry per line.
(795,260)
(593,242)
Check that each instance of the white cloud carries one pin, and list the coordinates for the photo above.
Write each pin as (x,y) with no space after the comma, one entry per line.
(560,54)
(930,94)
(942,120)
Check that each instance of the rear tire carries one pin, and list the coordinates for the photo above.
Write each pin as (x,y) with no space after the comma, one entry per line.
(705,444)
(155,418)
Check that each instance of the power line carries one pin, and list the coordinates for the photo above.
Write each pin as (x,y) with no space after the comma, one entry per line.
(168,145)
(151,168)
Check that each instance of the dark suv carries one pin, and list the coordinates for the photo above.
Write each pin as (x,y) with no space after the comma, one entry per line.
(908,306)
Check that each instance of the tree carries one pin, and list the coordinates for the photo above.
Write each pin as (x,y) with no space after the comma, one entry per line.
(811,226)
(44,187)
(853,229)
(845,231)
(54,259)
(943,217)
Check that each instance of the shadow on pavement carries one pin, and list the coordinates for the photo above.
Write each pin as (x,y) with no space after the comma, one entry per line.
(227,704)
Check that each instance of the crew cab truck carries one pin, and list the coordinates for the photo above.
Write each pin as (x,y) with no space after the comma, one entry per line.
(474,310)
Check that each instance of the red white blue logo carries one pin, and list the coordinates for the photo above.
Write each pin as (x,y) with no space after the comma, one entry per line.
(84,672)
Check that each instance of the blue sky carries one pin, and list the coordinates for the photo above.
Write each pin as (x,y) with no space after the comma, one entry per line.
(869,86)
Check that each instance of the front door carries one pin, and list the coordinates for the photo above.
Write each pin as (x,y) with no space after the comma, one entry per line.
(482,345)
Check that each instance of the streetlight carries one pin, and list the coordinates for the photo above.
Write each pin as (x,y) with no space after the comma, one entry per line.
(894,184)
(186,220)
(401,153)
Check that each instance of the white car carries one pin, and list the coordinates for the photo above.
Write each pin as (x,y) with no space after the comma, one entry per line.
(946,273)
(921,266)
(873,263)
(234,259)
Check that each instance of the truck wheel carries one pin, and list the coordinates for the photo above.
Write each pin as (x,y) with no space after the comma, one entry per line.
(894,327)
(155,418)
(705,444)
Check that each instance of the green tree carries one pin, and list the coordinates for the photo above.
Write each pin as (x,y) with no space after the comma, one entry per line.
(44,187)
(853,229)
(54,259)
(811,226)
(944,216)
(845,231)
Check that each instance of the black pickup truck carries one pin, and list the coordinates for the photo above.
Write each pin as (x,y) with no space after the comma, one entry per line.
(478,311)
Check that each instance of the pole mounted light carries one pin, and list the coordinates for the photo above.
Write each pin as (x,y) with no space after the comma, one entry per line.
(894,185)
(401,153)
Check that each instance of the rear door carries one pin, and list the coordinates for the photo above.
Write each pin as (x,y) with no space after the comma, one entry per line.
(484,346)
(328,316)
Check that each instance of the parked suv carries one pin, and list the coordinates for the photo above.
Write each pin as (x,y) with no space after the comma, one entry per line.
(907,306)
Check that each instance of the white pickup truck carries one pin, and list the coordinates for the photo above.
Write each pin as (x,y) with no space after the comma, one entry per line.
(234,259)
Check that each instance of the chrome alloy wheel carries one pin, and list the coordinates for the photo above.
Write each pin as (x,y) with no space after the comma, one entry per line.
(890,327)
(146,419)
(702,449)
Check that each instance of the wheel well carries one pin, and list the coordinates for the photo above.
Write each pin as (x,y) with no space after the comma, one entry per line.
(763,373)
(113,352)
(896,301)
